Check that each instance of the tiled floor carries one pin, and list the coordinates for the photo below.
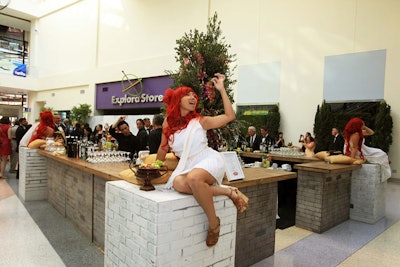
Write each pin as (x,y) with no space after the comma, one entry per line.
(348,244)
(35,234)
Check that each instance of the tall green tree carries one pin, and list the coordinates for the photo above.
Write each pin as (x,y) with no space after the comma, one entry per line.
(201,55)
(273,120)
(383,128)
(323,123)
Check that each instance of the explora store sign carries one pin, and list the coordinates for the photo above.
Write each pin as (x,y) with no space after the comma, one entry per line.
(132,92)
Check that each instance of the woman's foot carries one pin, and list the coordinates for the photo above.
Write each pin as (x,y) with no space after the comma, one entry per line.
(213,235)
(239,199)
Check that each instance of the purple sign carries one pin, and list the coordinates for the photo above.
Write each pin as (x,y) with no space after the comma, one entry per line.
(132,92)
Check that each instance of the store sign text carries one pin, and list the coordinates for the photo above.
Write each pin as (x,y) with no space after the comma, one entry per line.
(143,98)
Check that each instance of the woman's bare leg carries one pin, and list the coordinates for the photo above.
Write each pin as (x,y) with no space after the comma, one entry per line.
(3,164)
(201,185)
(198,183)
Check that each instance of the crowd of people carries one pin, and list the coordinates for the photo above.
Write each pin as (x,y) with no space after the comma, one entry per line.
(21,133)
(337,144)
(10,138)
(351,143)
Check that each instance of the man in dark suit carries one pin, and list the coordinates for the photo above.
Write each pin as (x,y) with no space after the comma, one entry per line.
(266,137)
(337,142)
(19,133)
(142,135)
(155,134)
(253,140)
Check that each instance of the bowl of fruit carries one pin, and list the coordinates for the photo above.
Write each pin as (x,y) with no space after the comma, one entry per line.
(147,172)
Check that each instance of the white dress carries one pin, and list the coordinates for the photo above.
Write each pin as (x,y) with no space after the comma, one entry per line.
(376,156)
(191,146)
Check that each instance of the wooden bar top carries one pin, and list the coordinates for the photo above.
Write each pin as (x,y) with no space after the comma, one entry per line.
(323,167)
(256,176)
(110,171)
(276,156)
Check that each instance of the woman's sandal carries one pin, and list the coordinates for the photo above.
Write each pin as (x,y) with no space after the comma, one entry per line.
(241,201)
(213,235)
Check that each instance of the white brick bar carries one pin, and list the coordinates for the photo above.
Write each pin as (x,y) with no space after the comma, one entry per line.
(368,194)
(164,228)
(32,175)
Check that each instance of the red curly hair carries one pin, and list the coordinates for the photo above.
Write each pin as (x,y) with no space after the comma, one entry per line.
(46,120)
(353,126)
(176,122)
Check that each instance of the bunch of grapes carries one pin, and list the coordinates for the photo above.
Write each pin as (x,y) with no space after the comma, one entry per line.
(210,91)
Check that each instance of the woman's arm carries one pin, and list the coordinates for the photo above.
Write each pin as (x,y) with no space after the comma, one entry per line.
(367,131)
(114,126)
(49,132)
(354,139)
(229,114)
(164,147)
(310,145)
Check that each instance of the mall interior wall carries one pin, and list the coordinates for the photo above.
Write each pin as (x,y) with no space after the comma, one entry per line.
(92,41)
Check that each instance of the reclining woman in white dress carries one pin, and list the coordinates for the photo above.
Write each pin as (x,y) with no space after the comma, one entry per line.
(354,146)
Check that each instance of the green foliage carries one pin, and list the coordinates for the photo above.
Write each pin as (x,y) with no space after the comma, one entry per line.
(323,124)
(201,55)
(250,120)
(80,113)
(383,128)
(271,120)
(341,118)
(381,123)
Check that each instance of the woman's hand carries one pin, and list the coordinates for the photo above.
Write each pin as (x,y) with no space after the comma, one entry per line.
(229,114)
(219,81)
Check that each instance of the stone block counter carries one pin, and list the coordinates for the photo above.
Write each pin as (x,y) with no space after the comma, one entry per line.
(76,189)
(255,233)
(323,195)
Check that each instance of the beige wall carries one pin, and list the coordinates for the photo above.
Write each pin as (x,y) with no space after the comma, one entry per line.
(91,41)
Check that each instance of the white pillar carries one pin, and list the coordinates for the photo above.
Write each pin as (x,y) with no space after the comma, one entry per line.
(32,175)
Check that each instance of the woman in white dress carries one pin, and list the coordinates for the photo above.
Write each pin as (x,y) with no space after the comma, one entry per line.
(309,145)
(201,169)
(354,146)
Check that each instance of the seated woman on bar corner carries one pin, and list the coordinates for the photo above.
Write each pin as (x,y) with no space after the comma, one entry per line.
(354,146)
(201,169)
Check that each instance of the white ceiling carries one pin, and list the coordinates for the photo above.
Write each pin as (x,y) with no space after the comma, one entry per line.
(19,13)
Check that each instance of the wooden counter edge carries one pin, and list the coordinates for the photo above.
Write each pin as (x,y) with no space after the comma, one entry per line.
(325,167)
(249,182)
(79,164)
(278,157)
